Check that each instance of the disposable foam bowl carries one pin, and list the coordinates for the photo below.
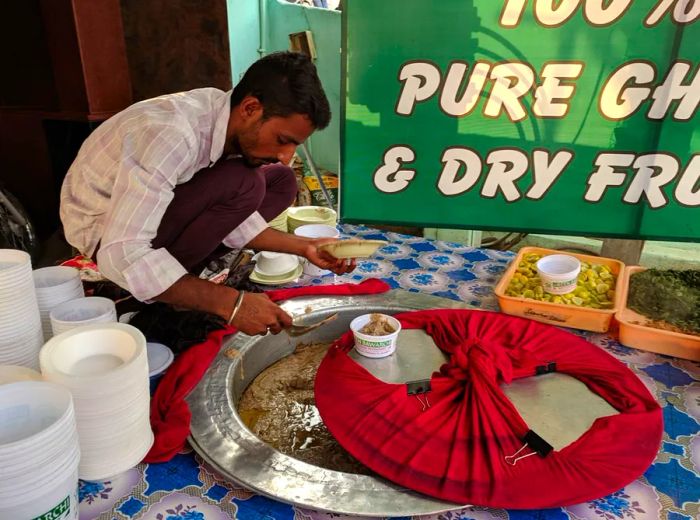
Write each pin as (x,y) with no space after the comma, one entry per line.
(316,231)
(33,413)
(92,352)
(311,214)
(374,346)
(13,261)
(269,263)
(55,277)
(15,374)
(16,280)
(302,215)
(558,273)
(82,311)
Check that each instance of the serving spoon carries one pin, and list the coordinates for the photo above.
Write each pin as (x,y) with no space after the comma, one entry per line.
(298,329)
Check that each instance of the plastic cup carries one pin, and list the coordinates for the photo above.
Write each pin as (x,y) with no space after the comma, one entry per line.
(559,273)
(316,231)
(374,346)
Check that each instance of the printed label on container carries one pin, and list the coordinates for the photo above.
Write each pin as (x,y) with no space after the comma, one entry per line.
(57,513)
(546,315)
(374,348)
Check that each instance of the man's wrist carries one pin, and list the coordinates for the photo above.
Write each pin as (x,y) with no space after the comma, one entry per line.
(236,307)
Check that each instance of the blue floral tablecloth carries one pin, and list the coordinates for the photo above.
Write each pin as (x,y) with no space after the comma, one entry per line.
(186,488)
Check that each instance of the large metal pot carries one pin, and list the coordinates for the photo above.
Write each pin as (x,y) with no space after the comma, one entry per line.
(221,438)
(559,407)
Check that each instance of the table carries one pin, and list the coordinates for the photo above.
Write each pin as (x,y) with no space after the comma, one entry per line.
(188,489)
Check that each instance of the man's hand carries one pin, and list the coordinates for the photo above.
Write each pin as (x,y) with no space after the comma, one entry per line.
(325,260)
(260,315)
(256,314)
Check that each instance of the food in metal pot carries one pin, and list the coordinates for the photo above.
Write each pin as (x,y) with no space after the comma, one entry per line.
(280,408)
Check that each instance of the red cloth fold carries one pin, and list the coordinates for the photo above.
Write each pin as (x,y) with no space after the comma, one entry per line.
(170,415)
(456,448)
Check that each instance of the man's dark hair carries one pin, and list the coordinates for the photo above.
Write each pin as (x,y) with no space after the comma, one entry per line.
(285,83)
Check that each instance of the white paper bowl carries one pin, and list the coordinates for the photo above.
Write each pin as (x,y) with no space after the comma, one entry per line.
(56,277)
(82,311)
(93,352)
(316,231)
(15,374)
(374,346)
(302,215)
(275,264)
(12,263)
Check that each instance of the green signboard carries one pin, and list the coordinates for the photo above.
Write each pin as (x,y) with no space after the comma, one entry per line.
(556,116)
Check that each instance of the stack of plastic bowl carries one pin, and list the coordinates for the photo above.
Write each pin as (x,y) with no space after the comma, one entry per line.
(39,452)
(55,285)
(21,334)
(279,222)
(275,268)
(83,311)
(303,215)
(105,367)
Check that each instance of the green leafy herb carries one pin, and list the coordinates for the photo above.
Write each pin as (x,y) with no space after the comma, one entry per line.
(670,296)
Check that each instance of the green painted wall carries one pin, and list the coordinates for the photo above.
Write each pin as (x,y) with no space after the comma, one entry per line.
(281,19)
(243,34)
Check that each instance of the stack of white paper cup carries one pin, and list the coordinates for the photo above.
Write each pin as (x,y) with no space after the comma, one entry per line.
(83,311)
(21,334)
(39,452)
(105,367)
(55,285)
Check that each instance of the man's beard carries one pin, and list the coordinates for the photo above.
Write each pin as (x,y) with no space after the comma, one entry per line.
(250,160)
(255,162)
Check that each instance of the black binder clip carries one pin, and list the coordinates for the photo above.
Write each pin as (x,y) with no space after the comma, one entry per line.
(545,369)
(537,444)
(417,388)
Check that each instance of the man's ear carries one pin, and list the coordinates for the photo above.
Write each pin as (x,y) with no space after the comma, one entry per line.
(250,108)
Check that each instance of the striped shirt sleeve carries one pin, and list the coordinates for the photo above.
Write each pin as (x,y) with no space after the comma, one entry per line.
(153,158)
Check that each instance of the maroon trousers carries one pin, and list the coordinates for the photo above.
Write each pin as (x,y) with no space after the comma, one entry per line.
(215,202)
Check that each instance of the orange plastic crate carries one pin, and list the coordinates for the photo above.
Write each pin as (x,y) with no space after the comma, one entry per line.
(634,334)
(596,320)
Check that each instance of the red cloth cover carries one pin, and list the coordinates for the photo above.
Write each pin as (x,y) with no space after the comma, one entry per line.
(455,449)
(170,415)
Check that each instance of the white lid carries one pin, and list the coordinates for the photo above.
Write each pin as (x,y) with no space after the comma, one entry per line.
(159,358)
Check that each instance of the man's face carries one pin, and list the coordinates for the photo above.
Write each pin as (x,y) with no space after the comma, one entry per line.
(264,141)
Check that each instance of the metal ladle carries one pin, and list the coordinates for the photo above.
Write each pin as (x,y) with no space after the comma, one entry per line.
(298,330)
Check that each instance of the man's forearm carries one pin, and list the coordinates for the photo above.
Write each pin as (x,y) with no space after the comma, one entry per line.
(200,295)
(272,240)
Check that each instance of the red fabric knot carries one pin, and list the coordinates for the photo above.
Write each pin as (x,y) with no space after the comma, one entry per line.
(477,358)
(455,449)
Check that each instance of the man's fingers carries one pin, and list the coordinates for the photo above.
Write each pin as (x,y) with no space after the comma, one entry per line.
(275,327)
(284,319)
